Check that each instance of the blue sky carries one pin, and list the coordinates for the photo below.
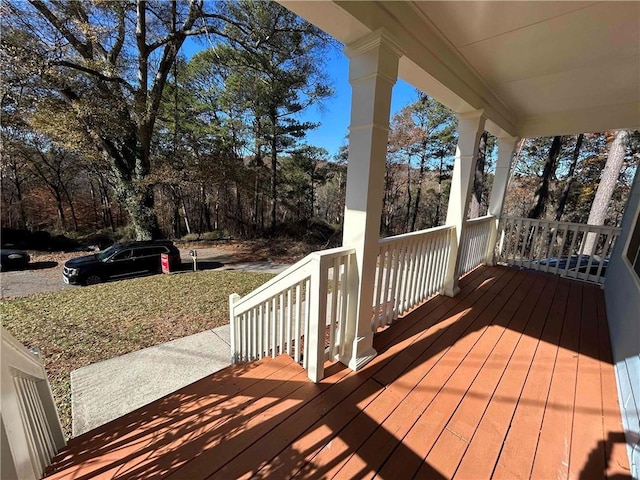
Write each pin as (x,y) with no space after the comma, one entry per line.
(334,114)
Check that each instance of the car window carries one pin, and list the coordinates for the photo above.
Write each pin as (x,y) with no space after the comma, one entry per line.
(140,252)
(106,253)
(124,255)
(148,251)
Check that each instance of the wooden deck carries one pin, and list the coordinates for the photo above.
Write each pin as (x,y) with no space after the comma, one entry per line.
(511,379)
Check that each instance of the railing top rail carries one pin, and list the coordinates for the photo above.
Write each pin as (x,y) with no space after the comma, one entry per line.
(485,218)
(566,224)
(19,357)
(331,253)
(278,278)
(293,274)
(404,236)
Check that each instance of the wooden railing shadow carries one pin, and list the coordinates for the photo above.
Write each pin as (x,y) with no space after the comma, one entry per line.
(230,424)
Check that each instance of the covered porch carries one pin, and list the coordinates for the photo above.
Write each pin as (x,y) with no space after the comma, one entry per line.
(512,378)
(398,357)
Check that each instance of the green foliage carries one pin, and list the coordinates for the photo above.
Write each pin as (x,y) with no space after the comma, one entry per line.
(590,163)
(423,138)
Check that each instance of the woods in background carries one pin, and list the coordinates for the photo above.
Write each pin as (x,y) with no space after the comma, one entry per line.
(107,125)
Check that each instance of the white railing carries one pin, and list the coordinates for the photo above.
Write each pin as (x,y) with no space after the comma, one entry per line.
(411,268)
(474,244)
(557,247)
(301,312)
(31,431)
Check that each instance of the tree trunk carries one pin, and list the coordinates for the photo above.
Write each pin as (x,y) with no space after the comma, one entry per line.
(407,218)
(478,180)
(608,180)
(416,206)
(139,202)
(107,214)
(61,218)
(569,180)
(20,197)
(437,222)
(96,217)
(274,171)
(550,165)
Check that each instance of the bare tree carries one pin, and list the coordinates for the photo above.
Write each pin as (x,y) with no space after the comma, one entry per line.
(598,214)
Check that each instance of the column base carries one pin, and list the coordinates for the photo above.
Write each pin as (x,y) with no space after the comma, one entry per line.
(362,352)
(450,290)
(361,360)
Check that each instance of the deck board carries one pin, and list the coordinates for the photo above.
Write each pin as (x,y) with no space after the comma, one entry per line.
(439,412)
(512,378)
(554,443)
(518,450)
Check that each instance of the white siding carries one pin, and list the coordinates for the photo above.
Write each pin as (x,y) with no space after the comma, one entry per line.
(622,294)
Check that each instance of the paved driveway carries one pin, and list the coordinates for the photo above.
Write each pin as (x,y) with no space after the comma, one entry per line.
(45,272)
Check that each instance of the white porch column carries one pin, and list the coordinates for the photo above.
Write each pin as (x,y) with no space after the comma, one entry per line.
(506,150)
(470,128)
(373,70)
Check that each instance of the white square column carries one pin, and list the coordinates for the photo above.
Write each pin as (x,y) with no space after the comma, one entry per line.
(470,128)
(373,70)
(506,150)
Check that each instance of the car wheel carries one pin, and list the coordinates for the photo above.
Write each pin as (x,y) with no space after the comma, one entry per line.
(92,280)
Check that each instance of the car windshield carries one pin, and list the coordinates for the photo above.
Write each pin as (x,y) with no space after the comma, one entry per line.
(106,253)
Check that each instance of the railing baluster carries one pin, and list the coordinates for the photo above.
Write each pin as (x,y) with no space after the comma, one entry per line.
(281,320)
(438,262)
(46,430)
(298,323)
(343,304)
(28,412)
(394,280)
(33,414)
(378,295)
(559,243)
(307,317)
(388,290)
(417,289)
(334,306)
(408,281)
(289,318)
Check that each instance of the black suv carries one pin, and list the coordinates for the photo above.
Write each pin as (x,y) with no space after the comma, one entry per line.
(120,260)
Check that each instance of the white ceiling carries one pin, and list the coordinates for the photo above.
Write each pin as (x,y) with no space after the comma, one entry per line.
(536,68)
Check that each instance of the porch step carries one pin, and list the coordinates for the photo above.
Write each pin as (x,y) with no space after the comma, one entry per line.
(89,455)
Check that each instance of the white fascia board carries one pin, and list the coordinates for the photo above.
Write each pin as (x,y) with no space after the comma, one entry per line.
(429,64)
(430,54)
(330,18)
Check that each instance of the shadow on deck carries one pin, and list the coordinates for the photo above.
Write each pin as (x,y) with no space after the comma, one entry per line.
(513,378)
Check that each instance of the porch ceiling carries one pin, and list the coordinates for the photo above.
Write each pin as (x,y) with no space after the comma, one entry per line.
(536,68)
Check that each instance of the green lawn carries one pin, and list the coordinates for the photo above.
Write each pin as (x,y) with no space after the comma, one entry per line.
(74,328)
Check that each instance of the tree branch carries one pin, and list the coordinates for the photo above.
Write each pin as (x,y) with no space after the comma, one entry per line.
(90,71)
(117,46)
(80,47)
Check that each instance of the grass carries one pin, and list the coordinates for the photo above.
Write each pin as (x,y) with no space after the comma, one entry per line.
(74,328)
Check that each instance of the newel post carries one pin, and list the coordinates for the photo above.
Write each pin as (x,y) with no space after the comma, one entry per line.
(233,326)
(373,70)
(506,150)
(317,321)
(470,128)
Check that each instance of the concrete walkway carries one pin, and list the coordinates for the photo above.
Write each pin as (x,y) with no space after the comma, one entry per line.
(107,390)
